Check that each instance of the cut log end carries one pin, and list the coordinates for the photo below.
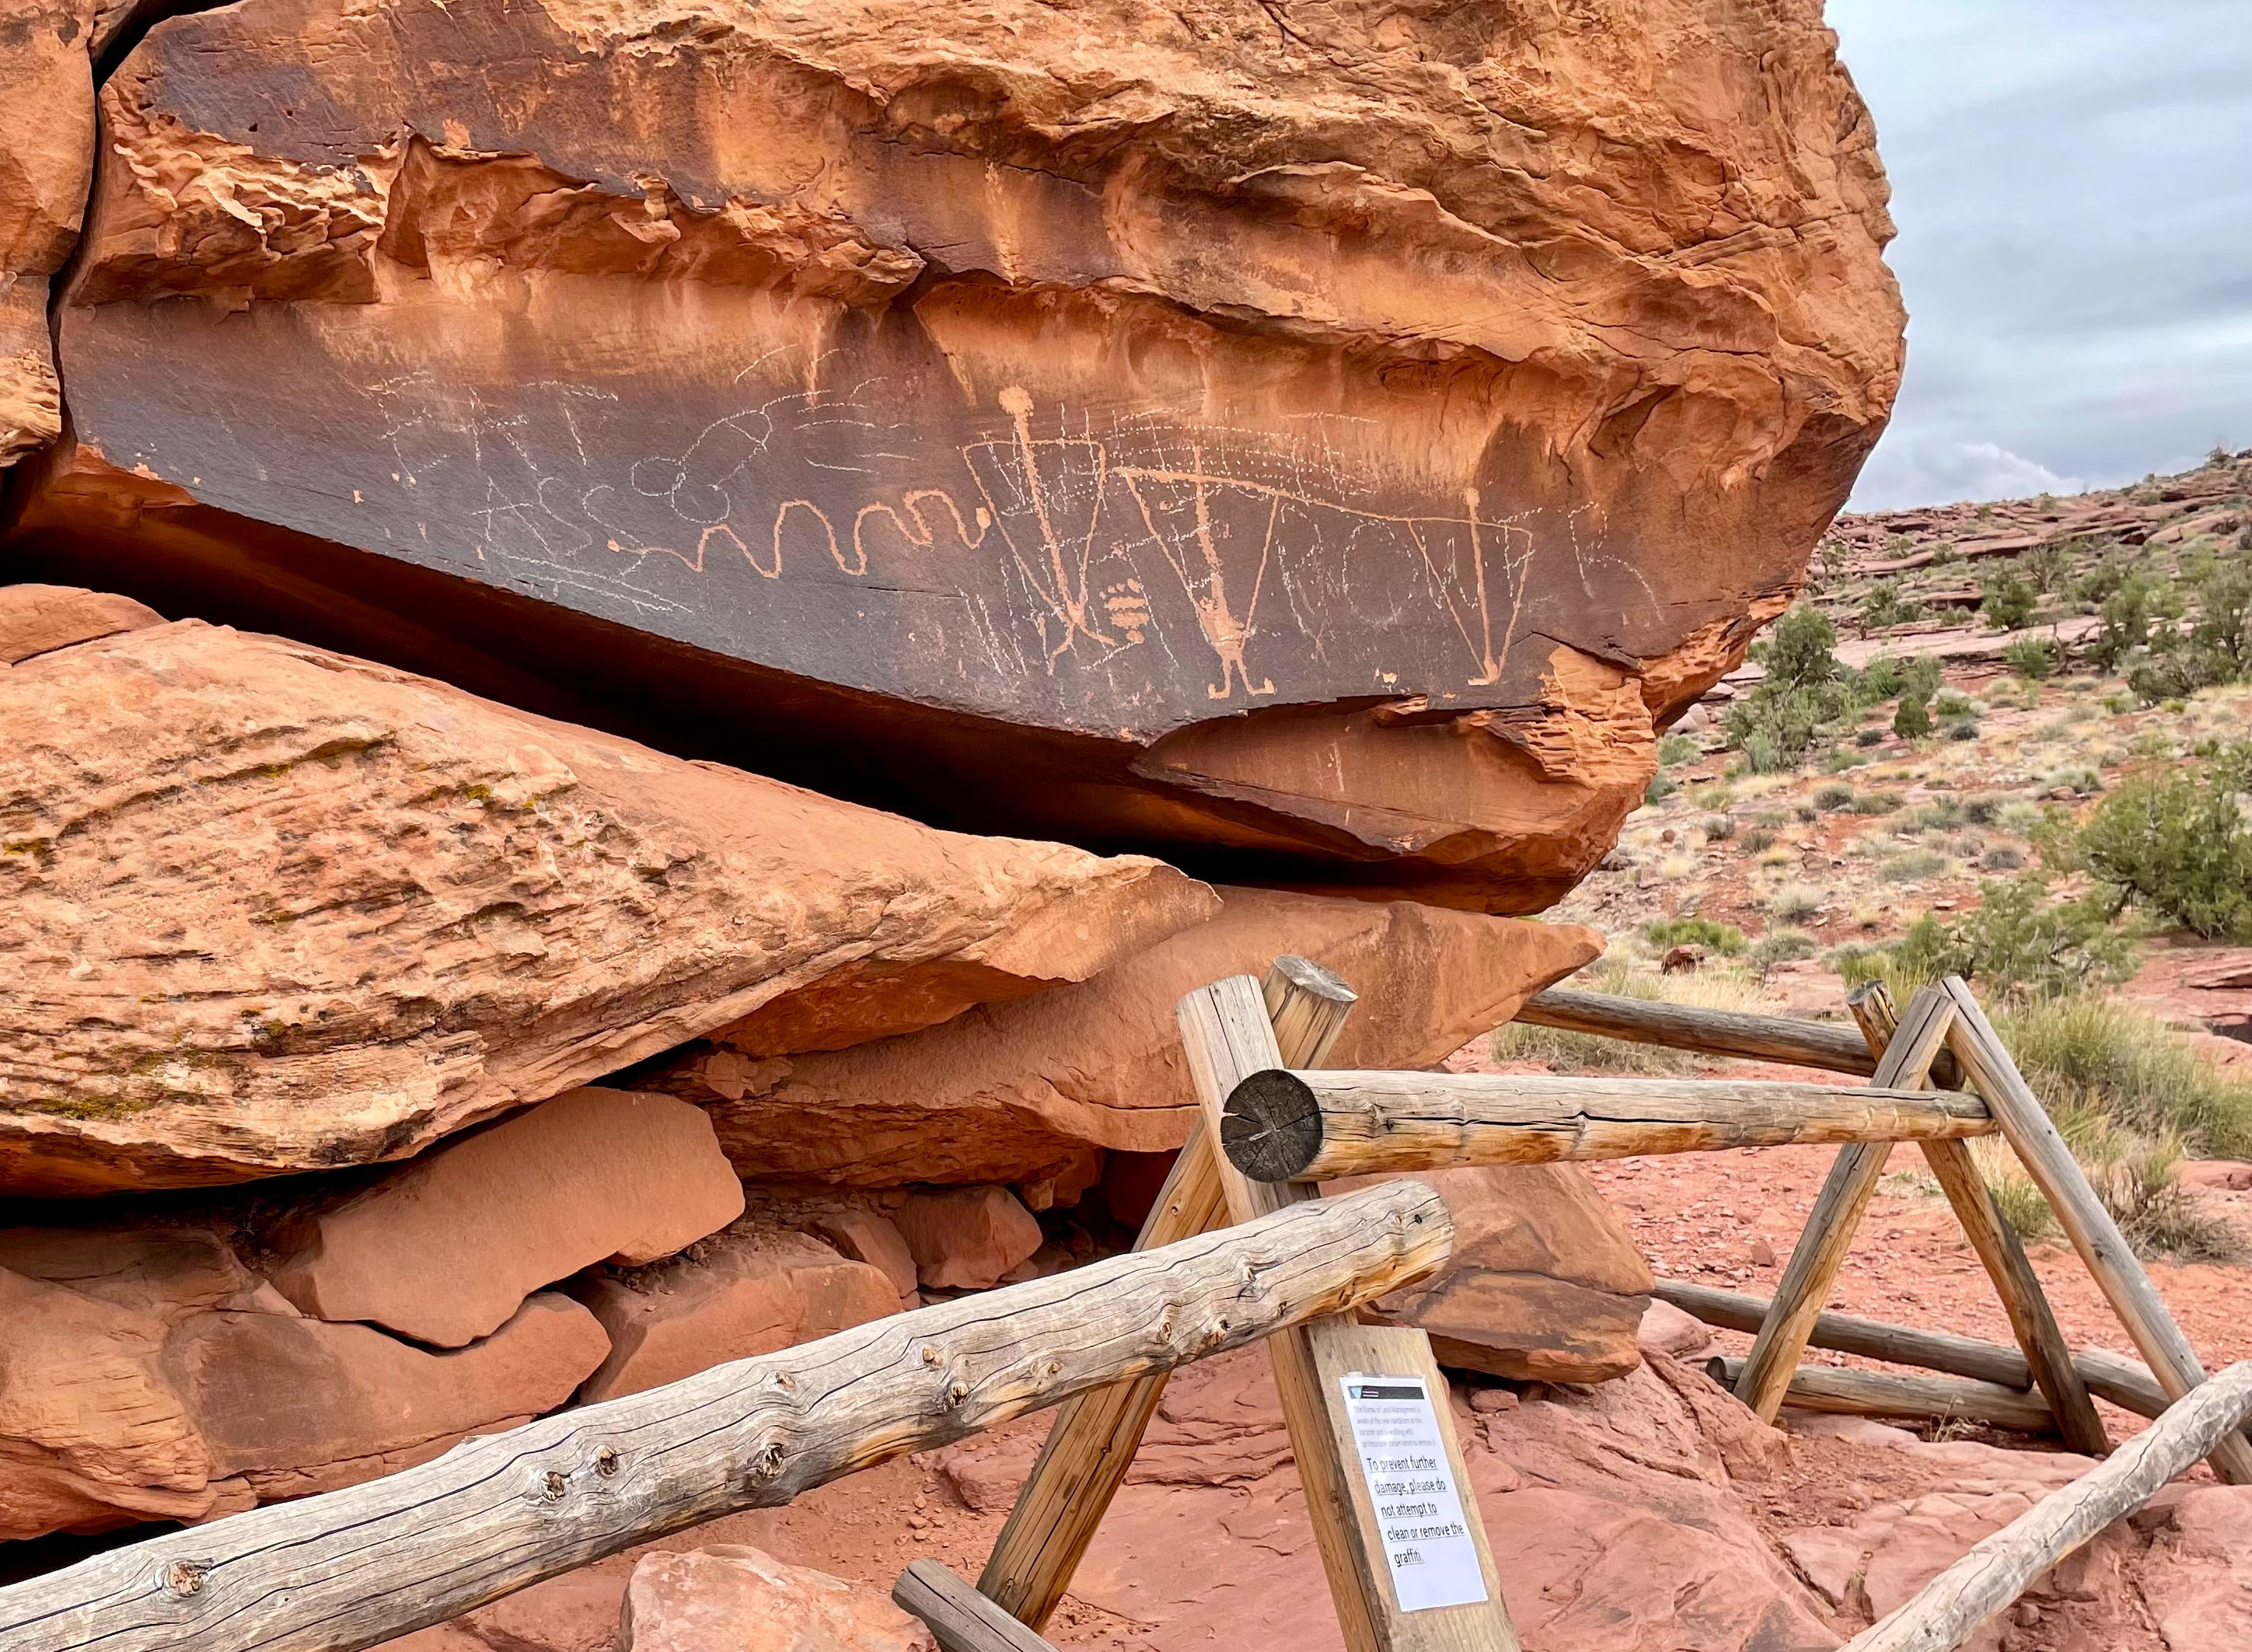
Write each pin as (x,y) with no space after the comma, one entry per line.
(1271,1129)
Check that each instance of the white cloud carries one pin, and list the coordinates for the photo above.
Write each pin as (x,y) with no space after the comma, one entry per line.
(1900,475)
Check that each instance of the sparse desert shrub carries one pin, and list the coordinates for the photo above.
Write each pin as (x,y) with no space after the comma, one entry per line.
(2001,857)
(1942,814)
(1725,939)
(1866,737)
(1951,703)
(1804,691)
(1676,748)
(2019,945)
(1875,803)
(2135,1178)
(1784,945)
(1718,828)
(1964,728)
(1757,841)
(1912,865)
(1983,810)
(1662,785)
(1883,606)
(1794,903)
(2176,843)
(1834,795)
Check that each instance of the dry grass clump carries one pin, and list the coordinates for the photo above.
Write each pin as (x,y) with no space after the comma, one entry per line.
(2135,1178)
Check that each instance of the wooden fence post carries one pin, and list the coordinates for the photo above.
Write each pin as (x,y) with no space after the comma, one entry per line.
(2031,1321)
(1228,1035)
(1092,1445)
(2034,1138)
(1821,1249)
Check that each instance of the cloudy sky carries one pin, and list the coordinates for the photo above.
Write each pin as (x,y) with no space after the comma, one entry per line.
(2072,182)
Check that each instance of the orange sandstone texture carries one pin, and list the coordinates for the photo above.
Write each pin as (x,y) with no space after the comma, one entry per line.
(1316,444)
(265,908)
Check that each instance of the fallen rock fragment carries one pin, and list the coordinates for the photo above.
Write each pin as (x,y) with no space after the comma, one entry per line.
(730,1598)
(274,909)
(966,1238)
(294,1406)
(866,1237)
(1544,1284)
(1011,1093)
(38,619)
(739,1295)
(446,1248)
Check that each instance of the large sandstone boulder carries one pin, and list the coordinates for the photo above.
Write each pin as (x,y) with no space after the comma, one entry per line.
(446,1248)
(1327,447)
(291,1406)
(1008,1093)
(266,909)
(735,1297)
(1544,1284)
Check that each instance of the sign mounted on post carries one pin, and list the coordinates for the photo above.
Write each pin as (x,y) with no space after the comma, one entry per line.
(1427,1546)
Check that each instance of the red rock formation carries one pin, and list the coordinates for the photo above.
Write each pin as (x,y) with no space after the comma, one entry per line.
(1544,1284)
(733,1297)
(1017,1092)
(1321,448)
(967,1239)
(289,1407)
(265,908)
(448,1247)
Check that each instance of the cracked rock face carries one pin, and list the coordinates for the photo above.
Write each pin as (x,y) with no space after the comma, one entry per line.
(1319,440)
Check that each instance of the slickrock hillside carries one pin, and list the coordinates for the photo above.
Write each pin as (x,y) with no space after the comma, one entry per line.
(1319,446)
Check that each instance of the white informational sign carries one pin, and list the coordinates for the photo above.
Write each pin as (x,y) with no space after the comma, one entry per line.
(1419,1512)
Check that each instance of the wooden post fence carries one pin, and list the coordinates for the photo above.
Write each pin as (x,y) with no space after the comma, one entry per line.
(348,1569)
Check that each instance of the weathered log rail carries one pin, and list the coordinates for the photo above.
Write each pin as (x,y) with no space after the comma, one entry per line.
(1951,1607)
(346,1569)
(1282,1126)
(2126,1383)
(1717,1033)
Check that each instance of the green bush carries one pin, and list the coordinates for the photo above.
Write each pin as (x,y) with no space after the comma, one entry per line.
(1920,678)
(1875,803)
(1883,606)
(1833,795)
(2216,649)
(2019,945)
(1912,721)
(2030,657)
(1676,748)
(1912,864)
(1952,704)
(1868,737)
(1725,939)
(2001,857)
(1662,785)
(2177,844)
(1804,691)
(2008,601)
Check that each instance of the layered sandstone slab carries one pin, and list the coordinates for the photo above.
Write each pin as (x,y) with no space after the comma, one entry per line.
(1321,448)
(265,908)
(1017,1092)
(444,1249)
(288,1406)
